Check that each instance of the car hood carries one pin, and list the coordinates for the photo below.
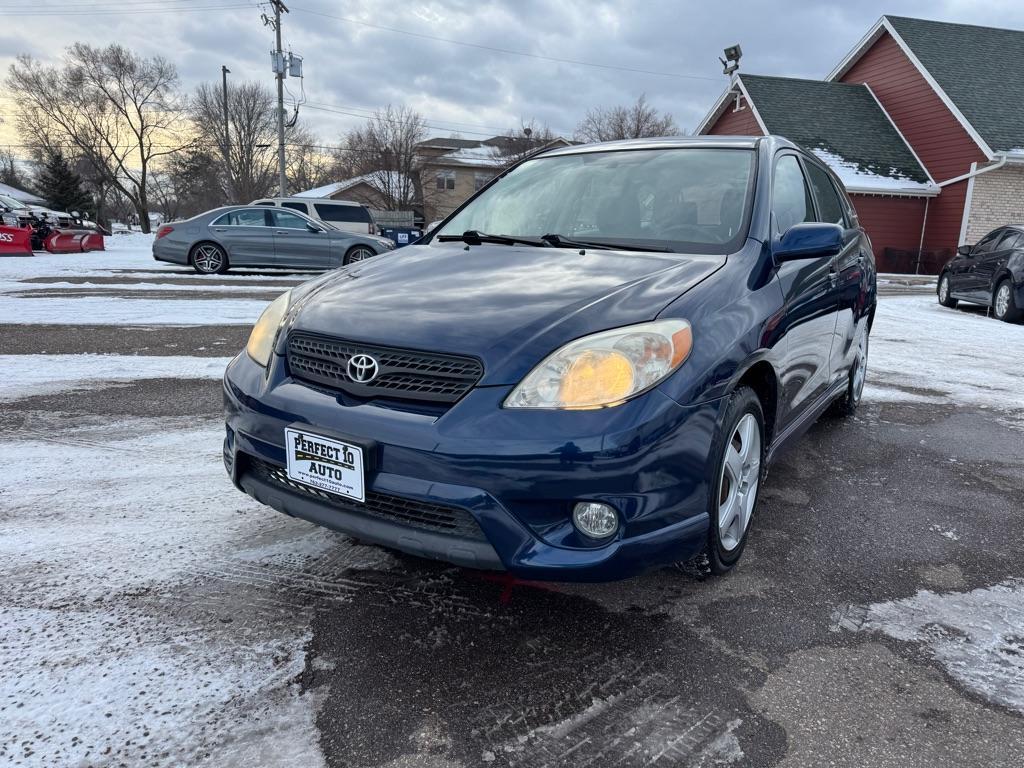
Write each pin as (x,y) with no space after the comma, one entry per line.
(508,306)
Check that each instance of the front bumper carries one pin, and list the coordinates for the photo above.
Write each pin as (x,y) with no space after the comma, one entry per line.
(517,473)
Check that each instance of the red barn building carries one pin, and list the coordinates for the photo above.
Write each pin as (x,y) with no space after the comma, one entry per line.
(924,123)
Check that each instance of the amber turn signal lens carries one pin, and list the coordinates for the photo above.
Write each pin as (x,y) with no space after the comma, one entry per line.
(682,343)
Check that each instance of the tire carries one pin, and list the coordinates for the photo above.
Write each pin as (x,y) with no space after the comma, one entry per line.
(846,405)
(358,253)
(945,299)
(1004,306)
(739,449)
(208,259)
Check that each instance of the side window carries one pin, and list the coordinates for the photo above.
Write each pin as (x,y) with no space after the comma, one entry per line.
(245,218)
(300,207)
(791,200)
(264,202)
(830,210)
(987,243)
(1010,240)
(480,180)
(344,213)
(286,220)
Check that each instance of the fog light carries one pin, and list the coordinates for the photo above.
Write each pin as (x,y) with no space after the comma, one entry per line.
(594,519)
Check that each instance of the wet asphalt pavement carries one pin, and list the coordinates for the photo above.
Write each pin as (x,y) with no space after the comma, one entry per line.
(415,663)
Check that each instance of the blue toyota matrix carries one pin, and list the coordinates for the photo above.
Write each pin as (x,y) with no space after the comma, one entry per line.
(582,373)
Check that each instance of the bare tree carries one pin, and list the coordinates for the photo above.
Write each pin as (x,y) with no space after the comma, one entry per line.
(307,164)
(249,149)
(636,121)
(116,109)
(384,150)
(10,174)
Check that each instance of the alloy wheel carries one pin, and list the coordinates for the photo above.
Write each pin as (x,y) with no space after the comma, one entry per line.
(944,290)
(860,372)
(1002,300)
(208,258)
(360,254)
(737,487)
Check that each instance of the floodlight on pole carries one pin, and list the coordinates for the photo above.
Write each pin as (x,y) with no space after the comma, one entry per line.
(731,62)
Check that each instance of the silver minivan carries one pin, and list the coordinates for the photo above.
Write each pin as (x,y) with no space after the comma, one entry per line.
(345,215)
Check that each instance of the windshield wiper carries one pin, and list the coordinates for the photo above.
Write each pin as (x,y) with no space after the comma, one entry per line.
(473,237)
(561,241)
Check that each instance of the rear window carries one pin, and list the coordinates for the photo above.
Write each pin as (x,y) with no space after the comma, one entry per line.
(346,213)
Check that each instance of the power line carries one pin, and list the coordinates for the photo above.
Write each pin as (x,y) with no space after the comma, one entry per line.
(508,51)
(125,12)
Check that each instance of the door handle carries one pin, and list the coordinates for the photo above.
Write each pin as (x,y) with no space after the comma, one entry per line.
(281,232)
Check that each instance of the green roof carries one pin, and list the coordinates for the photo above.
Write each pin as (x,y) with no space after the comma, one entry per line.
(981,69)
(841,119)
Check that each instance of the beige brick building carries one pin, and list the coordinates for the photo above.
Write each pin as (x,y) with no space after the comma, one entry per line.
(994,199)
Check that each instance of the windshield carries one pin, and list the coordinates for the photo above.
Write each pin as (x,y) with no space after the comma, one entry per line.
(10,202)
(689,200)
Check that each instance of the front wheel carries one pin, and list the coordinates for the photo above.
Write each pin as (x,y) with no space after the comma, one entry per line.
(1004,307)
(359,253)
(739,451)
(945,299)
(209,259)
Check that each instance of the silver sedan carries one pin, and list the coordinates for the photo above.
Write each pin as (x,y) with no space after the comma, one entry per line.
(258,236)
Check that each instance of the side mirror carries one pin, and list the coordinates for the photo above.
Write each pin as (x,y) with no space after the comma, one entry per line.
(314,228)
(808,240)
(964,250)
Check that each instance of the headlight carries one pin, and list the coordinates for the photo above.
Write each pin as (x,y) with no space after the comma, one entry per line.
(261,340)
(606,368)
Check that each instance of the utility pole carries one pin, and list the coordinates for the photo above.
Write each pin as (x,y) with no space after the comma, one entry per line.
(279,69)
(224,72)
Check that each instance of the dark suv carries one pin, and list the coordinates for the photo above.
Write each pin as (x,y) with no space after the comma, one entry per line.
(990,273)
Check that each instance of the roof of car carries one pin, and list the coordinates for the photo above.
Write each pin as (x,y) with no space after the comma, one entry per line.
(661,142)
(309,199)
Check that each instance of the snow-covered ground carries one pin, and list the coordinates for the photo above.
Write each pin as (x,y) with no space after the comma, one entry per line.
(923,352)
(26,375)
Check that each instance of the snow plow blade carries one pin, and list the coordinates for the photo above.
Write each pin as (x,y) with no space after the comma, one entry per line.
(63,242)
(93,242)
(15,241)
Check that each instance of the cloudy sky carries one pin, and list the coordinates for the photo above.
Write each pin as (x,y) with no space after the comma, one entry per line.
(477,67)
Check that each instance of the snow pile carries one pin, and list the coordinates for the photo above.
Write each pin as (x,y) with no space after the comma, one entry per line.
(26,375)
(119,643)
(978,636)
(921,351)
(856,178)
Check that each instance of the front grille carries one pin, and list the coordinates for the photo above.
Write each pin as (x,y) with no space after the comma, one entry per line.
(402,373)
(424,515)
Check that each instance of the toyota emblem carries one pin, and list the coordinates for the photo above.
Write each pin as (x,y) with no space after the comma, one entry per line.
(363,369)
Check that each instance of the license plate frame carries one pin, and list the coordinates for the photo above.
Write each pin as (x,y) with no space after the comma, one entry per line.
(326,462)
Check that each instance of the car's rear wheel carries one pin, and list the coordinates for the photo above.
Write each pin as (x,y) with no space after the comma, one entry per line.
(359,253)
(1003,305)
(945,298)
(847,404)
(739,451)
(209,259)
